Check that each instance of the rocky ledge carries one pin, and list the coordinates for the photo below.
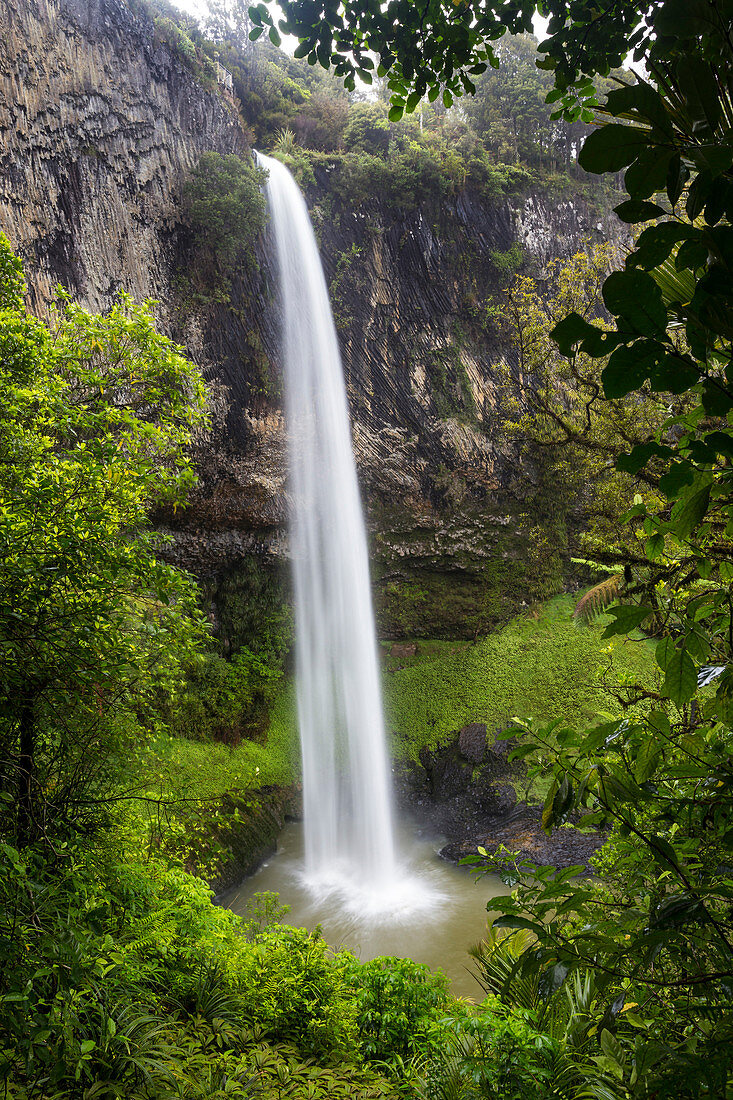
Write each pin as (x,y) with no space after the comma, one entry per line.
(465,789)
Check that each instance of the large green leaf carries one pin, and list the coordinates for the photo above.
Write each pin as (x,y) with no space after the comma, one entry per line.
(691,506)
(680,680)
(635,298)
(642,100)
(612,147)
(627,617)
(648,173)
(629,367)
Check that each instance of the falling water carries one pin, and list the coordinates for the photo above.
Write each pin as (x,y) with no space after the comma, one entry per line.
(346,791)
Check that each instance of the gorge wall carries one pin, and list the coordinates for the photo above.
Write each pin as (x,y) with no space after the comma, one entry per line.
(100,124)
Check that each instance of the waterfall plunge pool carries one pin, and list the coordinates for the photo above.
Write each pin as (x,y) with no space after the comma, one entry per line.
(434,918)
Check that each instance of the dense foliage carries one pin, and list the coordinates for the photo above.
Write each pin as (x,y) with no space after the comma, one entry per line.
(95,417)
(118,977)
(225,207)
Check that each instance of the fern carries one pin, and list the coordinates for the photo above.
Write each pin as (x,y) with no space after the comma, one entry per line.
(499,958)
(598,598)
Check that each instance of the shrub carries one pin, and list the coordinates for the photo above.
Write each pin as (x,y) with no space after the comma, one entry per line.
(367,130)
(226,208)
(223,700)
(294,991)
(398,1005)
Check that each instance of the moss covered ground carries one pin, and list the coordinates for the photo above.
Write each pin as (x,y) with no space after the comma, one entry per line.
(541,665)
(207,769)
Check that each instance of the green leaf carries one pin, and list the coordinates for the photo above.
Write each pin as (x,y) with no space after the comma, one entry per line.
(612,147)
(691,255)
(517,922)
(633,211)
(629,366)
(678,475)
(664,652)
(716,398)
(691,506)
(645,101)
(648,174)
(677,176)
(697,194)
(627,617)
(698,84)
(612,1048)
(647,761)
(680,680)
(640,455)
(571,331)
(635,298)
(656,243)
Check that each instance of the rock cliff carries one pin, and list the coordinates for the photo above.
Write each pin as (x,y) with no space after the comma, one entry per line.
(100,123)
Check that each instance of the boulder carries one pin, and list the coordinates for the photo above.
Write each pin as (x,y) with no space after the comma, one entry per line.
(494,799)
(447,774)
(472,742)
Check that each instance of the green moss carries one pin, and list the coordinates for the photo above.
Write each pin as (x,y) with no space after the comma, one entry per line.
(540,665)
(424,603)
(250,606)
(207,770)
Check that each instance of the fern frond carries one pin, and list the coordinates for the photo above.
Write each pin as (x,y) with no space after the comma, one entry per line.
(598,598)
(498,970)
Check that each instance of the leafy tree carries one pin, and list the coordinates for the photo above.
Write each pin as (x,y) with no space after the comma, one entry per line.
(226,208)
(442,49)
(95,416)
(367,129)
(553,402)
(321,122)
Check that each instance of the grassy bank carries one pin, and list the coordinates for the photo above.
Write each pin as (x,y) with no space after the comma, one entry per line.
(540,665)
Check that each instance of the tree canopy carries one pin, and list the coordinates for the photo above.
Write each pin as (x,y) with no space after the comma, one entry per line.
(95,416)
(442,47)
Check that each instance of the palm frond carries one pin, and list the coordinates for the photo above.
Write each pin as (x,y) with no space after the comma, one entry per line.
(499,961)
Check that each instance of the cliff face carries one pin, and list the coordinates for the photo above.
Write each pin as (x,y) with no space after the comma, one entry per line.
(100,123)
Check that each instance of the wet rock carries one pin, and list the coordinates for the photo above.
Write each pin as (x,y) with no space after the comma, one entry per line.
(524,835)
(246,831)
(402,650)
(494,799)
(447,774)
(472,741)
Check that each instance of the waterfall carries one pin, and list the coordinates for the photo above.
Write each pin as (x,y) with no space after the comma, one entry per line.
(346,790)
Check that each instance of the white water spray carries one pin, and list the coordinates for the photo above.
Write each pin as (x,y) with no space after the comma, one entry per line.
(347,803)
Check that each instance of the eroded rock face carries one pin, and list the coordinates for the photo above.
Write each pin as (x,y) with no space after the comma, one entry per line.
(100,124)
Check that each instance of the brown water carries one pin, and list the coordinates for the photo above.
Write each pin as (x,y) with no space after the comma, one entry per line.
(438,912)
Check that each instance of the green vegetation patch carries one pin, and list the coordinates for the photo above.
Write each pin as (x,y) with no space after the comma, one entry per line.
(540,665)
(205,770)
